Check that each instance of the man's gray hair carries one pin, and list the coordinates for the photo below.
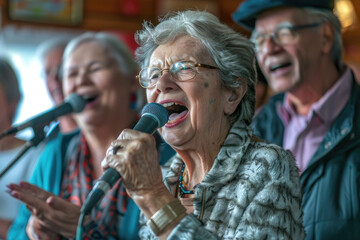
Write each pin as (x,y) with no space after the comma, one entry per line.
(47,46)
(328,16)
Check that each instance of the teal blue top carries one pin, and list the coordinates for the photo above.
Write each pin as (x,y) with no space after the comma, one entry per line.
(48,176)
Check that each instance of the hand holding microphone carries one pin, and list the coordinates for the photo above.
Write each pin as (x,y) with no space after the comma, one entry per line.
(130,154)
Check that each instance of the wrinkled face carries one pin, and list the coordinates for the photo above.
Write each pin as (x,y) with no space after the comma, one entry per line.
(290,66)
(90,71)
(196,107)
(52,63)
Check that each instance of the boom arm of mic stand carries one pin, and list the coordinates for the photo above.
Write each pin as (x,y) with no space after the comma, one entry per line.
(39,136)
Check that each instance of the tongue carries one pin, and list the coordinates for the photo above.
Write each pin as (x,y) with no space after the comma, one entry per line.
(175,116)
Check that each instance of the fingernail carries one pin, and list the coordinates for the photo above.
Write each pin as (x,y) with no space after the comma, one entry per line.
(10,186)
(50,201)
(14,194)
(22,184)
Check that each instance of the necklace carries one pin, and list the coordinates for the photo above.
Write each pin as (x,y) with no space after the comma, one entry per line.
(183,191)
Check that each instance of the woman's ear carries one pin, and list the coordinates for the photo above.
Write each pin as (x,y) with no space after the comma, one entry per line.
(233,98)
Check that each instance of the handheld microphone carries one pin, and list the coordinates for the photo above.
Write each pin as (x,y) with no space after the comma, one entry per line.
(73,103)
(153,116)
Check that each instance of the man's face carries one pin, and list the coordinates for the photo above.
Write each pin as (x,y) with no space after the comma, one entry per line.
(52,63)
(291,63)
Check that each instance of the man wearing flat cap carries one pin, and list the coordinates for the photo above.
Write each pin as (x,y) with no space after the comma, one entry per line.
(317,115)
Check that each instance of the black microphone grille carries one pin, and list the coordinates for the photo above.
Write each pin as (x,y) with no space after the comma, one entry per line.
(77,102)
(158,111)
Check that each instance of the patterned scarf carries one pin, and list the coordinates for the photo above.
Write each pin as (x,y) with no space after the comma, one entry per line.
(77,182)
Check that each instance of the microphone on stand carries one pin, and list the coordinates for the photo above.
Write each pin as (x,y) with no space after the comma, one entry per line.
(153,116)
(74,103)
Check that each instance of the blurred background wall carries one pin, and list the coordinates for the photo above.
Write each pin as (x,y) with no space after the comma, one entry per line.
(26,23)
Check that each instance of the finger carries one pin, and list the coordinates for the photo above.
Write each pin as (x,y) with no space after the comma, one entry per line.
(30,208)
(38,214)
(128,136)
(58,209)
(31,201)
(12,188)
(65,210)
(29,189)
(30,231)
(63,227)
(35,230)
(54,224)
(45,232)
(115,146)
(132,153)
(113,161)
(35,189)
(116,142)
(132,134)
(116,149)
(56,214)
(104,164)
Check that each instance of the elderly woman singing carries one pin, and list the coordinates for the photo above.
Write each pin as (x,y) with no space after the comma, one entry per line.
(224,182)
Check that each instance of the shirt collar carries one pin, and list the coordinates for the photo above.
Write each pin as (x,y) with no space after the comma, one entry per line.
(328,106)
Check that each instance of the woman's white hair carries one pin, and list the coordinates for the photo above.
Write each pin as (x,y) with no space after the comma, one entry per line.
(117,49)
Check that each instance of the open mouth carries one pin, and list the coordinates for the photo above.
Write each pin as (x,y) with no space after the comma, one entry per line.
(176,111)
(279,66)
(89,99)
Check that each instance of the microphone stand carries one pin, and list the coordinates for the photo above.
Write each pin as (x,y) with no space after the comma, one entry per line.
(39,135)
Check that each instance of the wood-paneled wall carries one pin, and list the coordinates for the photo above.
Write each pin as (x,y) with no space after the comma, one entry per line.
(128,16)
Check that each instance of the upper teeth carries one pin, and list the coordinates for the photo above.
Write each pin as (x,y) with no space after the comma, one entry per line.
(170,104)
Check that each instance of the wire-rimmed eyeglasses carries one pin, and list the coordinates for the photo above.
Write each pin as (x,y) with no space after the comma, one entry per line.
(283,35)
(181,71)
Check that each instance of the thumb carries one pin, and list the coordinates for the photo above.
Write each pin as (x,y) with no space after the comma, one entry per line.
(56,203)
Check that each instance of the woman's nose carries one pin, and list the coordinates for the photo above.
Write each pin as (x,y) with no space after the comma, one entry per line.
(166,82)
(82,77)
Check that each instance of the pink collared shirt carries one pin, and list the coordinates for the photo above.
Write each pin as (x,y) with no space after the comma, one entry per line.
(303,134)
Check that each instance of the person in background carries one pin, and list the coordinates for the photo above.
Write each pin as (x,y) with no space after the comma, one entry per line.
(100,68)
(262,91)
(299,49)
(50,55)
(11,146)
(356,70)
(223,183)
